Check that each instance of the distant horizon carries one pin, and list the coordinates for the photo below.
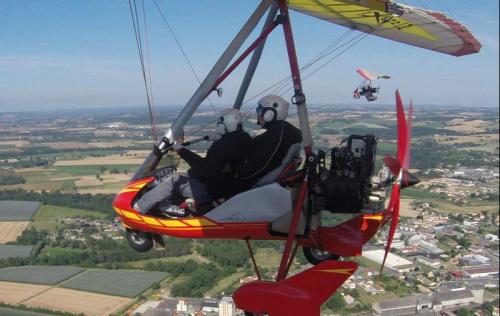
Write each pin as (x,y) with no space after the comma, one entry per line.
(61,60)
(206,108)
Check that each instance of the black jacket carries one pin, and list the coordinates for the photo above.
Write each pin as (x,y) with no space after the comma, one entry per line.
(267,151)
(216,169)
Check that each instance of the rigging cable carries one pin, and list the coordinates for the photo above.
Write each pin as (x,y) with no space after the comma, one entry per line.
(138,39)
(182,50)
(153,117)
(312,61)
(330,60)
(323,53)
(355,38)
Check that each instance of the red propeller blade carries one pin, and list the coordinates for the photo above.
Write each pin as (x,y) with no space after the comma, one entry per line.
(406,161)
(407,157)
(394,221)
(402,129)
(395,167)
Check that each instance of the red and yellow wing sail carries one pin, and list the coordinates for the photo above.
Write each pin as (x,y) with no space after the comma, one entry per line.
(401,23)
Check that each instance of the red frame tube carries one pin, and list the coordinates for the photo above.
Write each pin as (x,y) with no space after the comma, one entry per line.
(297,85)
(294,252)
(244,55)
(292,57)
(256,268)
(282,271)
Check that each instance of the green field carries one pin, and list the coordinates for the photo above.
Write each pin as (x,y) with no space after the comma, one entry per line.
(367,263)
(59,251)
(129,283)
(38,274)
(5,311)
(141,263)
(440,203)
(63,178)
(367,298)
(87,169)
(14,251)
(17,210)
(46,218)
(225,283)
(268,258)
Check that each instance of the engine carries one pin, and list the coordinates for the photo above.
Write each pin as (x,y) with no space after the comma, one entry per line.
(346,183)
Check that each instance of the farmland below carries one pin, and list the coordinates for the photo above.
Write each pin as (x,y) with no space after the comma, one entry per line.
(69,167)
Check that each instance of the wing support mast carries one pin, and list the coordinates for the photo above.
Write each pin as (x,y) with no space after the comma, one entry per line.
(208,83)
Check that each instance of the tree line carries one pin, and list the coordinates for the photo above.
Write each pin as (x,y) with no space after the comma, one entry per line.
(97,202)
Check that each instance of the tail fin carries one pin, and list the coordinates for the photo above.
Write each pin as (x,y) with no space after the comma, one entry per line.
(322,280)
(301,294)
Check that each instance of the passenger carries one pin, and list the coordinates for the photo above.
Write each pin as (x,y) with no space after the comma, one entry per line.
(211,177)
(268,149)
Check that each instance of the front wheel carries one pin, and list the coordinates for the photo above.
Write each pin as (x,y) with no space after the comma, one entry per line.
(315,256)
(140,241)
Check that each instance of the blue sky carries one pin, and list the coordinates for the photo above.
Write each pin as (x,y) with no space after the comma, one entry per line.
(82,54)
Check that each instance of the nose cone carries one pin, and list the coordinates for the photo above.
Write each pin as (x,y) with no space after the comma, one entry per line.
(409,179)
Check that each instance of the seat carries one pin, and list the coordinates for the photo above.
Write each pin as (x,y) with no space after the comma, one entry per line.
(219,208)
(291,156)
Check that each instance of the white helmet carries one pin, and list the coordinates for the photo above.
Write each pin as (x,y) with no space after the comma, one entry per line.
(230,120)
(272,108)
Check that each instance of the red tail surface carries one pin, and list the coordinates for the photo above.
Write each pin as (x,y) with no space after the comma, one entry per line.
(301,294)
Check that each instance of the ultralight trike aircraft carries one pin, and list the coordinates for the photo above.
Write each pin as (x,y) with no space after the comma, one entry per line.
(366,88)
(288,203)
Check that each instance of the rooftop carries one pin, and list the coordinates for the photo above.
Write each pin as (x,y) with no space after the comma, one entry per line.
(451,296)
(398,303)
(393,261)
(486,269)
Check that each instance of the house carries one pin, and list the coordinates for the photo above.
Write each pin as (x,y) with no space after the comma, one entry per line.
(208,306)
(396,306)
(491,237)
(189,305)
(227,306)
(452,299)
(409,305)
(474,260)
(433,263)
(429,248)
(349,300)
(480,272)
(393,262)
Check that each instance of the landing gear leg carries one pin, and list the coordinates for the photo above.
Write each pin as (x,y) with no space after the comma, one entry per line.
(159,243)
(140,241)
(315,256)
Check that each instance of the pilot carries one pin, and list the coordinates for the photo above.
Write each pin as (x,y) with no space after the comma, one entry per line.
(269,148)
(209,178)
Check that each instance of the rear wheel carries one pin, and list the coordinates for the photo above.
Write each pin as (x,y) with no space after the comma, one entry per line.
(315,256)
(140,241)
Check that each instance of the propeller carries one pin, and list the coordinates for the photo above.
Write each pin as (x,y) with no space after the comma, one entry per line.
(399,167)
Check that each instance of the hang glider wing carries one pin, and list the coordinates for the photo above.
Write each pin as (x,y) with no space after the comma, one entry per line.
(368,75)
(402,23)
